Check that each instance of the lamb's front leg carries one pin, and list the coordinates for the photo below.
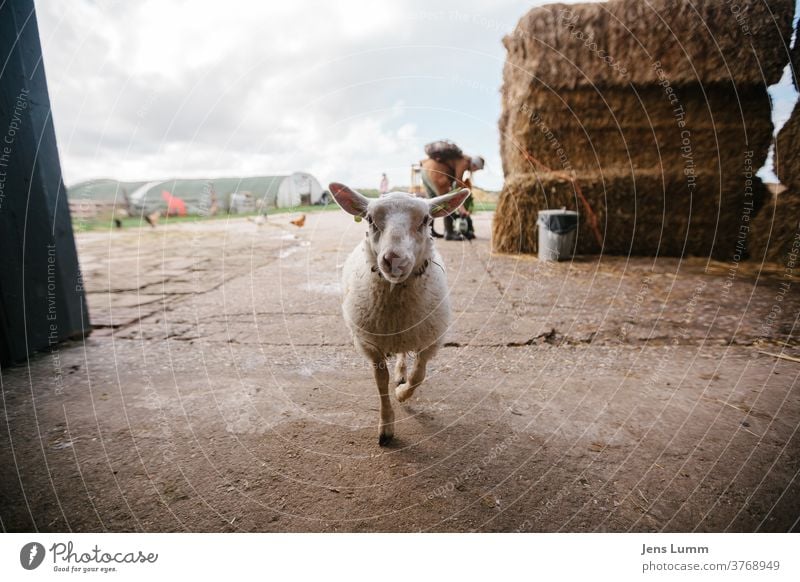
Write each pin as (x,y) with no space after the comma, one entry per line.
(387,414)
(405,390)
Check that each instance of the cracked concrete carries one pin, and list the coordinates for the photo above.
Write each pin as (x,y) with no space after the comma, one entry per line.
(220,392)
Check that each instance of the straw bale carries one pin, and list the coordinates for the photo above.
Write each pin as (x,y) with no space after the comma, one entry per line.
(640,128)
(707,41)
(787,146)
(775,233)
(641,213)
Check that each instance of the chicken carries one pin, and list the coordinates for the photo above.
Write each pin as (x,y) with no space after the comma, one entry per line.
(299,222)
(152,219)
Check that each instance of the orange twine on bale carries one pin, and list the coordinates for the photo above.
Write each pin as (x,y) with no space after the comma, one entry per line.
(591,216)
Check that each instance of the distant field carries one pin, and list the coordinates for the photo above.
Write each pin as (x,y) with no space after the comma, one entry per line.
(137,221)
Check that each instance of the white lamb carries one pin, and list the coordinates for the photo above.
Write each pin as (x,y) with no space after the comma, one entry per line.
(395,289)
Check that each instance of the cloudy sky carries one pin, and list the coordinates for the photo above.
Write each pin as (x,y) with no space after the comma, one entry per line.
(345,89)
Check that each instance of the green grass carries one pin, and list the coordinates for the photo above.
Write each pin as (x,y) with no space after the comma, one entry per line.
(485,206)
(369,192)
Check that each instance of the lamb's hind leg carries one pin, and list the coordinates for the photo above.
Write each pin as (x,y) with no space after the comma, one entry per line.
(400,370)
(381,372)
(405,390)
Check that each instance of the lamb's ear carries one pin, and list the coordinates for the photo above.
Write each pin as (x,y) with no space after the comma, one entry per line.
(448,203)
(351,201)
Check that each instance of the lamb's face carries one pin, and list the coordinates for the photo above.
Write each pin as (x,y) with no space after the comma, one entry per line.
(399,234)
(399,238)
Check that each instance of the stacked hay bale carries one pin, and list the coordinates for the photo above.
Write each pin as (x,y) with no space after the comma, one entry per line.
(647,212)
(775,235)
(659,109)
(775,232)
(787,144)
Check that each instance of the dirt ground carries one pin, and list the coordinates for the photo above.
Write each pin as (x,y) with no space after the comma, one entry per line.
(220,392)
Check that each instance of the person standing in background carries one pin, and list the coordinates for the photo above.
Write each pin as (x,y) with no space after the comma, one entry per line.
(384,187)
(446,169)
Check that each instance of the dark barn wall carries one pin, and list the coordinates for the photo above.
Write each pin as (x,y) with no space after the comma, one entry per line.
(41,295)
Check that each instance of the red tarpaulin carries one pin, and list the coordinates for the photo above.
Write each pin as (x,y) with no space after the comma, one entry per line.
(175,206)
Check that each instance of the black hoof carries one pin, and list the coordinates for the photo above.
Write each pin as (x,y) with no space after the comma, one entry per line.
(384,440)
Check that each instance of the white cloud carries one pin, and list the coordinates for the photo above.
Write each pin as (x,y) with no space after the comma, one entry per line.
(343,89)
(179,88)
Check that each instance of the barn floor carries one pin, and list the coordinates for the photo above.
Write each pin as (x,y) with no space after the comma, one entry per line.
(220,392)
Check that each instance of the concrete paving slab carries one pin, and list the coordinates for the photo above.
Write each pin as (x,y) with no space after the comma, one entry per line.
(603,395)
